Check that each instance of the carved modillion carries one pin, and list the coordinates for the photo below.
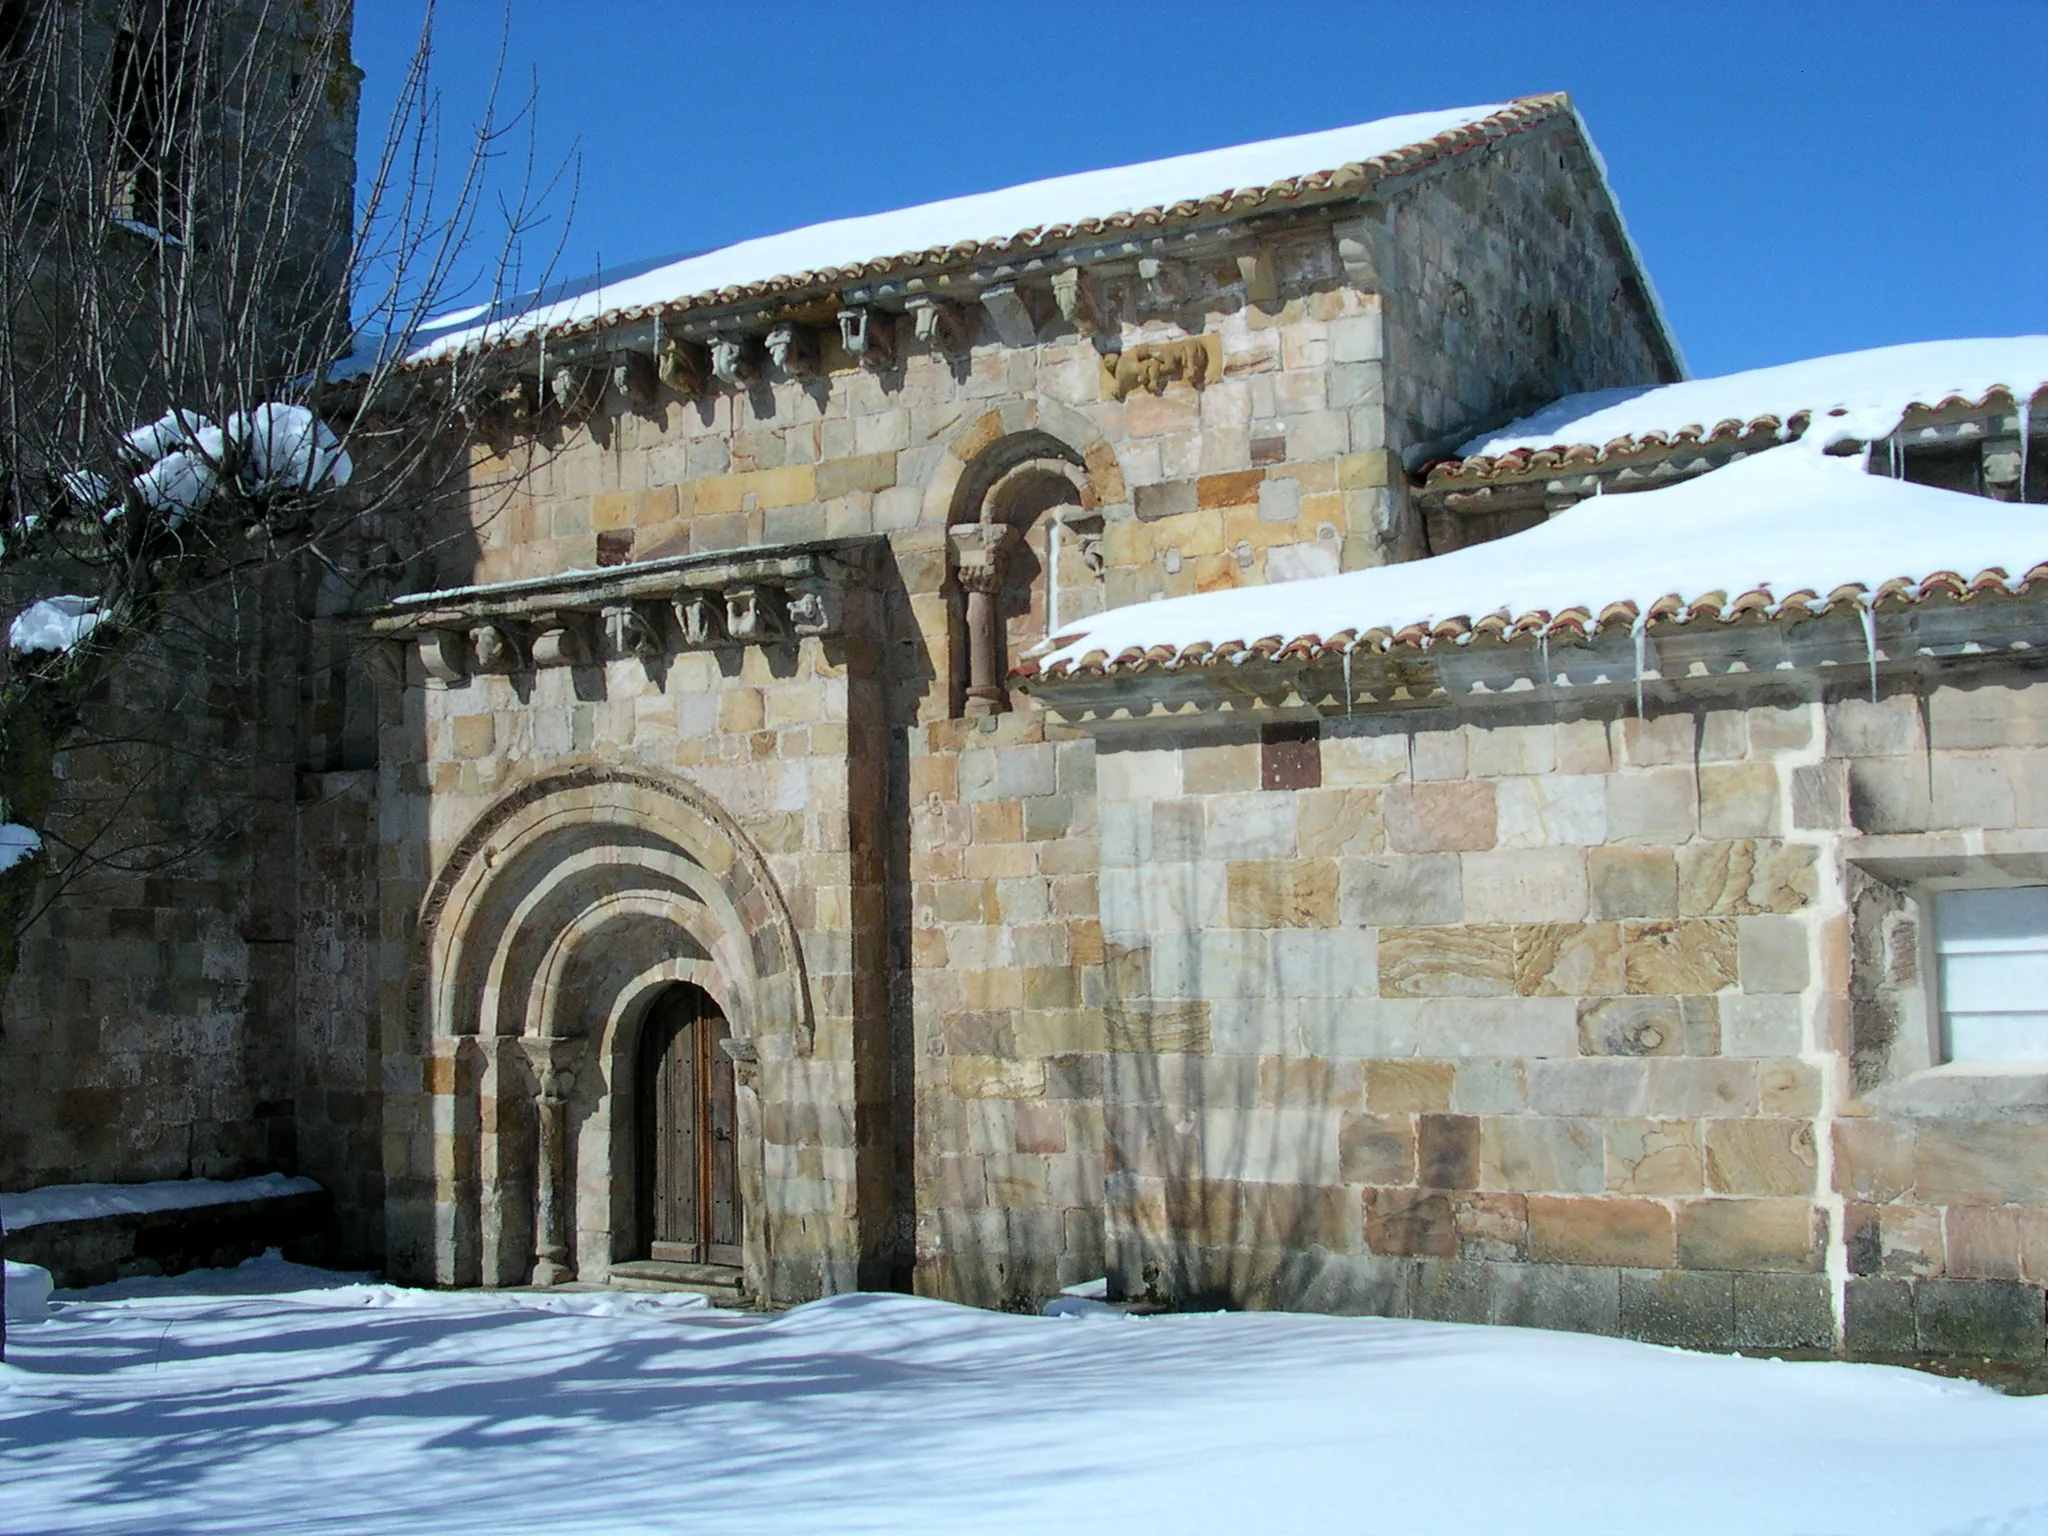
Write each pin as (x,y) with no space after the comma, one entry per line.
(1010,312)
(494,647)
(444,655)
(629,632)
(750,614)
(940,324)
(577,390)
(1080,300)
(815,606)
(636,378)
(729,358)
(558,641)
(868,335)
(792,349)
(682,365)
(701,618)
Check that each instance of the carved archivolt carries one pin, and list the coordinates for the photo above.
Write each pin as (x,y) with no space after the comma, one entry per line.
(1152,365)
(548,931)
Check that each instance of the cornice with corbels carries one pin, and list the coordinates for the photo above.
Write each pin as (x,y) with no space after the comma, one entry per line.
(1098,288)
(644,612)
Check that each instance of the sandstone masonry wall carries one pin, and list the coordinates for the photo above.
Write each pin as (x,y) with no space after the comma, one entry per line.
(1525,1021)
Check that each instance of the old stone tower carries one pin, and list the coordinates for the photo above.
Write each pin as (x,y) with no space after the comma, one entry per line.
(183,1009)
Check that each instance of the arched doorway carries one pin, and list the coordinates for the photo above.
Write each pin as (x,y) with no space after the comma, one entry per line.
(686,1127)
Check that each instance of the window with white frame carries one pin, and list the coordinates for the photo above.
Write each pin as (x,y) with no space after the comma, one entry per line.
(1991,961)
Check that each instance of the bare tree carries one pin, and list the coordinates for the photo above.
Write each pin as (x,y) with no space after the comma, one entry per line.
(207,375)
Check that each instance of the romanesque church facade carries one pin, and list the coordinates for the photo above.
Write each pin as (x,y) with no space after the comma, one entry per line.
(755,874)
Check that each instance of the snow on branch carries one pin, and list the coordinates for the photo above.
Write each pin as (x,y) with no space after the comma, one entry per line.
(54,624)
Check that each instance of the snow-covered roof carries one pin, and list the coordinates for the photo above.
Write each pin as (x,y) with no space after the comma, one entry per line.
(1240,178)
(1789,528)
(1867,392)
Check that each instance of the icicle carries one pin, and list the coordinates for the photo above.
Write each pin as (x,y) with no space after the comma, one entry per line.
(543,367)
(2026,406)
(1869,613)
(1347,675)
(1543,653)
(1640,631)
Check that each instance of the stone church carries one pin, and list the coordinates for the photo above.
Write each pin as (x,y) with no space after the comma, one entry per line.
(815,826)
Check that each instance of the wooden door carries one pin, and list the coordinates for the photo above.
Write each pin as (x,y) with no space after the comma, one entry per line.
(689,1173)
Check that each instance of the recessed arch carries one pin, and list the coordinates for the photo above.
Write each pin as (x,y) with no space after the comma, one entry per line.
(540,941)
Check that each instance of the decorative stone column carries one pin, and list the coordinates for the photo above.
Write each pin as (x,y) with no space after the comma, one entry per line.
(550,1060)
(979,553)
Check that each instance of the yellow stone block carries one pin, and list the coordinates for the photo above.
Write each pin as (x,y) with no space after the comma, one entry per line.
(1363,471)
(790,486)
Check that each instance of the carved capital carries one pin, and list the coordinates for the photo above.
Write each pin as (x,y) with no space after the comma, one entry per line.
(868,335)
(980,551)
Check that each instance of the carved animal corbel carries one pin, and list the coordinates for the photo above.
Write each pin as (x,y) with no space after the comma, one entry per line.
(700,620)
(793,349)
(868,335)
(636,378)
(1193,360)
(940,324)
(495,647)
(629,632)
(751,615)
(682,365)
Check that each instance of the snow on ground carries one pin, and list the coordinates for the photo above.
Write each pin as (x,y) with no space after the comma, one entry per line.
(288,1401)
(976,218)
(1873,388)
(1789,519)
(80,1202)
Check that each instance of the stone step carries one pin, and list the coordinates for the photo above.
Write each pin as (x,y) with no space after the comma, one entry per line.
(717,1283)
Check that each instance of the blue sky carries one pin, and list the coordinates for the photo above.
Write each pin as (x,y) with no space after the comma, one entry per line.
(1802,178)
